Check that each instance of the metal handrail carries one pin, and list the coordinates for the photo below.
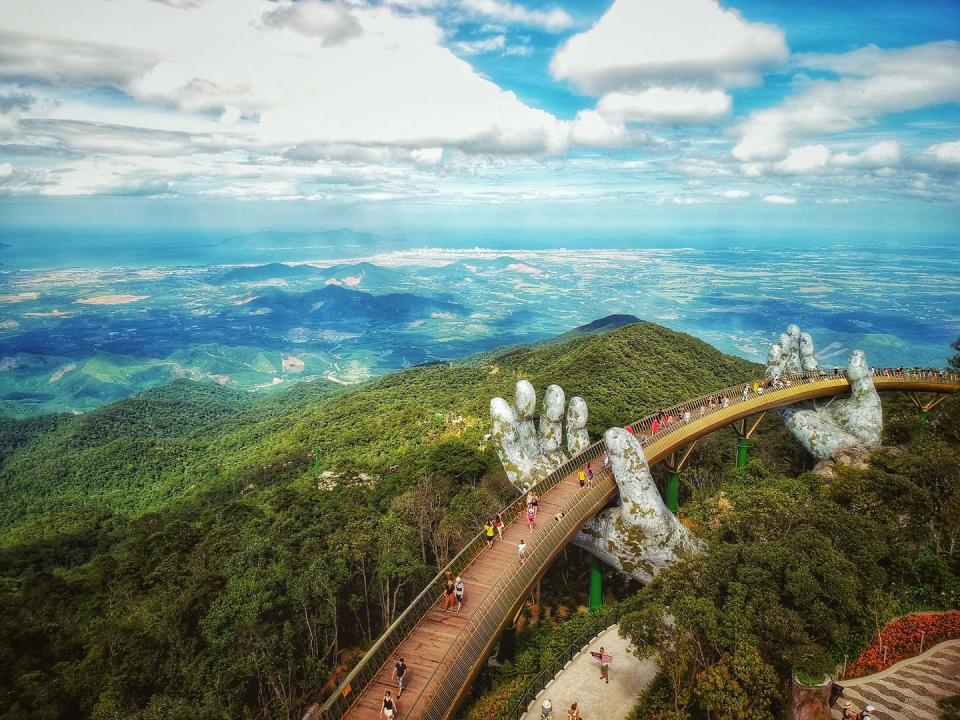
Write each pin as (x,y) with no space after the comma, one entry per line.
(603,619)
(337,704)
(487,620)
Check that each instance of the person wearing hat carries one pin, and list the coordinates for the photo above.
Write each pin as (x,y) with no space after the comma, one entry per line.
(458,591)
(546,710)
(865,713)
(848,712)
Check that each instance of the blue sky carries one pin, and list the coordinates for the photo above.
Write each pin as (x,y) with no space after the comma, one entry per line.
(410,115)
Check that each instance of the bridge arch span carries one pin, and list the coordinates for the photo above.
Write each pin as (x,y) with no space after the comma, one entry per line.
(446,651)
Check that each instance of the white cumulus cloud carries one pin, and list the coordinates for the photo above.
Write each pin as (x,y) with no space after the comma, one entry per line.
(267,75)
(879,155)
(552,20)
(638,44)
(809,158)
(329,21)
(668,106)
(478,47)
(946,154)
(873,82)
(779,200)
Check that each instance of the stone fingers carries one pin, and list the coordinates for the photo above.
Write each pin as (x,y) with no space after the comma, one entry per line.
(551,415)
(505,434)
(638,492)
(578,439)
(808,360)
(861,414)
(525,406)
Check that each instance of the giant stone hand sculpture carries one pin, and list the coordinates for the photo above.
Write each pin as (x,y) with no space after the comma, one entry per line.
(638,537)
(641,536)
(825,428)
(529,456)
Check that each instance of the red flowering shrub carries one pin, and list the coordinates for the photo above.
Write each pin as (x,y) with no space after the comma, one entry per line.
(901,637)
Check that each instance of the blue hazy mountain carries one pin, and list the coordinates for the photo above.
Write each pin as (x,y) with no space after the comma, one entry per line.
(353,275)
(271,271)
(269,309)
(336,304)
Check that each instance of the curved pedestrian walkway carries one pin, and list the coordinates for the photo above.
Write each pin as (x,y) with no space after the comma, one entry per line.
(580,682)
(910,689)
(450,651)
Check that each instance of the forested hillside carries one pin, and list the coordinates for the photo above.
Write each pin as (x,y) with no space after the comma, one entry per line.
(155,569)
(138,454)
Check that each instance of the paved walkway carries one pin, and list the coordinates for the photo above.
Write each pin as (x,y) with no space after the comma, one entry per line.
(910,689)
(580,682)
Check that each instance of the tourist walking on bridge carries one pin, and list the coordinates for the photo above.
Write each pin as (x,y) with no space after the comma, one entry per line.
(488,531)
(389,707)
(458,591)
(522,549)
(498,524)
(448,597)
(400,672)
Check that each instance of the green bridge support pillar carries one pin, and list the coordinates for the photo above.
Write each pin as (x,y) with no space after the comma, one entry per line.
(743,452)
(924,417)
(673,491)
(596,583)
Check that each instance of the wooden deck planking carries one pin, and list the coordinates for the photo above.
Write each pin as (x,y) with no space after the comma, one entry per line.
(430,642)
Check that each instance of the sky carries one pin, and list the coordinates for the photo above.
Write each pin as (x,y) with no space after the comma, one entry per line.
(471,115)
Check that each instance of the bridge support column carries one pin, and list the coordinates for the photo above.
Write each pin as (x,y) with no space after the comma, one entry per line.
(676,462)
(596,583)
(673,491)
(744,433)
(743,452)
(507,647)
(925,406)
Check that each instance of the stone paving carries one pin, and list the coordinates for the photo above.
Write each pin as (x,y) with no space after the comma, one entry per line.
(910,689)
(580,682)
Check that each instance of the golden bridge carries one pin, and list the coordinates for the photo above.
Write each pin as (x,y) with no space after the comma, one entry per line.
(444,651)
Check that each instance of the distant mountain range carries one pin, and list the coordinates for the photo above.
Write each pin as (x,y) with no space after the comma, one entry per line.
(333,303)
(362,274)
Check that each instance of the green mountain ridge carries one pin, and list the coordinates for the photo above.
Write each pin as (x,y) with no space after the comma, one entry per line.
(173,556)
(138,454)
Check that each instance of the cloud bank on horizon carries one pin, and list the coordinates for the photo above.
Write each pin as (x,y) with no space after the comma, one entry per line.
(482,102)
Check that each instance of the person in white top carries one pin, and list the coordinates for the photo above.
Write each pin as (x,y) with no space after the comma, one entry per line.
(522,548)
(546,710)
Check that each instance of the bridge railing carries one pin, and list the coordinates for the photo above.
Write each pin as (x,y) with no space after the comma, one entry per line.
(603,618)
(340,701)
(468,648)
(366,669)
